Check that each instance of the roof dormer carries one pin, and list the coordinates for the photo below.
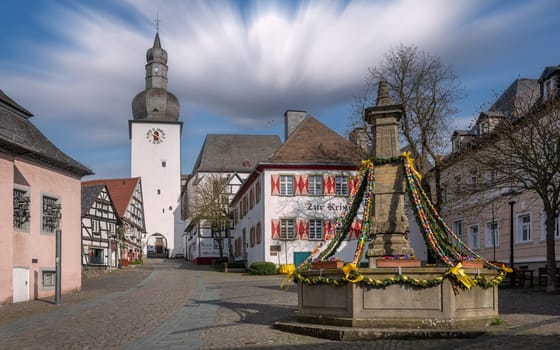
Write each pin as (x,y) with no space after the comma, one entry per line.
(549,82)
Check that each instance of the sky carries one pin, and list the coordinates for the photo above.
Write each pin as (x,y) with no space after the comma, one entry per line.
(237,66)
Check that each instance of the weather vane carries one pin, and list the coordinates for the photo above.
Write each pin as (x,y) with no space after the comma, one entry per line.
(157,20)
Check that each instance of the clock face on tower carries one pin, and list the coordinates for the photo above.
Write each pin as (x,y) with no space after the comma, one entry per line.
(155,135)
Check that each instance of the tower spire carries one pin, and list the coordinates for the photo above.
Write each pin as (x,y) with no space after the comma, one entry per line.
(155,102)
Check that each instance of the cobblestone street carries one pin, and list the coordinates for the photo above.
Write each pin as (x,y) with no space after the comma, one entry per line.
(167,304)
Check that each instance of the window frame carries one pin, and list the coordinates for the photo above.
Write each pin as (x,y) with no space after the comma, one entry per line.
(99,259)
(316,228)
(521,226)
(44,218)
(287,229)
(458,224)
(52,278)
(490,243)
(315,185)
(470,236)
(342,187)
(24,193)
(286,185)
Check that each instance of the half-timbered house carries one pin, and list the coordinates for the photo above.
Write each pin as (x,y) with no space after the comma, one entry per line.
(99,227)
(126,194)
(231,157)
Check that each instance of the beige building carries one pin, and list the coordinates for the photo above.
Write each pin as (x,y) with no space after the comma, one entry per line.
(500,224)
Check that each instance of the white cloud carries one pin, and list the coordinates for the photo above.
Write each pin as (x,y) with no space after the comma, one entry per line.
(247,67)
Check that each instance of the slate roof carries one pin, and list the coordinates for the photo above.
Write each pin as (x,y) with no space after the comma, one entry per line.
(89,195)
(521,93)
(121,191)
(314,143)
(463,133)
(19,136)
(234,153)
(7,100)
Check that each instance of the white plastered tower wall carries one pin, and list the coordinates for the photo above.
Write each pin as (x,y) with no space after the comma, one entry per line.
(155,134)
(159,166)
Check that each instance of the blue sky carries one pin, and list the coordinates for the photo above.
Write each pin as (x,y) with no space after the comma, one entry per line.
(237,66)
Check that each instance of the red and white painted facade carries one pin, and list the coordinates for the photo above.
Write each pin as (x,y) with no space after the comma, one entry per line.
(264,213)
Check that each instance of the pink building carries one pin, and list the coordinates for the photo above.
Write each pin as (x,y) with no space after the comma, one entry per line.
(44,184)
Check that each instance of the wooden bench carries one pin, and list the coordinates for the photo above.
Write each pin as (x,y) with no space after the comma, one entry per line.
(518,277)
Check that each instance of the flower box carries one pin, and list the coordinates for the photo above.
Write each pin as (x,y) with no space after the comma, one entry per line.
(398,262)
(472,264)
(319,265)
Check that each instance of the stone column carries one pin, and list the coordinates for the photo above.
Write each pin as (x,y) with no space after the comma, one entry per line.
(389,229)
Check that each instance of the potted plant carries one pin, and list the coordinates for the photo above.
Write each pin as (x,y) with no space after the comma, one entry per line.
(470,262)
(333,263)
(398,261)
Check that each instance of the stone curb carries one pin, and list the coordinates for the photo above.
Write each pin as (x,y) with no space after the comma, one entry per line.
(355,333)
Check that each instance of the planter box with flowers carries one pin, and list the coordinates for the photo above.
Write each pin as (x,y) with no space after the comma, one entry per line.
(390,261)
(328,264)
(472,264)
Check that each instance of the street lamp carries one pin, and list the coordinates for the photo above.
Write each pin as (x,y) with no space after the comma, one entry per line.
(58,259)
(511,203)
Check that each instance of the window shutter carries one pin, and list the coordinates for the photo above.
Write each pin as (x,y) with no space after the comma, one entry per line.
(329,184)
(302,229)
(353,181)
(355,229)
(275,184)
(301,184)
(329,227)
(275,229)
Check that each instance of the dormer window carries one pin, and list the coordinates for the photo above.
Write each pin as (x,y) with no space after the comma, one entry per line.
(484,128)
(548,88)
(456,144)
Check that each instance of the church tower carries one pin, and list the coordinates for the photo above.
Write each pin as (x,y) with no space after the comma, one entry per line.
(155,135)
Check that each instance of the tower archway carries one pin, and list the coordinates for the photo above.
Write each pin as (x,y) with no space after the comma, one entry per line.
(156,245)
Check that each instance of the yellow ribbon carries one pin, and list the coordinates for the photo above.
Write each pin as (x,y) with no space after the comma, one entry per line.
(461,276)
(348,269)
(408,157)
(287,281)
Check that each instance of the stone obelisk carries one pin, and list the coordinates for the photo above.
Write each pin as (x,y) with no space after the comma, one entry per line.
(389,224)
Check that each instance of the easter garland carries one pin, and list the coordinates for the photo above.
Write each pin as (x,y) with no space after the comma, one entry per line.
(440,239)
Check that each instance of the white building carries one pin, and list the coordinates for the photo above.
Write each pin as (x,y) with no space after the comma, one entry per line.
(231,157)
(155,134)
(289,201)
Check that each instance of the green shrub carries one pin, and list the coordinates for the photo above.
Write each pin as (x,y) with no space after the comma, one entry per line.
(263,268)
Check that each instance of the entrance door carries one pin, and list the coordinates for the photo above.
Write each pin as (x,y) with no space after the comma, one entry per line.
(299,257)
(20,284)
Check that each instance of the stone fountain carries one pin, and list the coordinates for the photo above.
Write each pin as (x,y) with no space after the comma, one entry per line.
(401,306)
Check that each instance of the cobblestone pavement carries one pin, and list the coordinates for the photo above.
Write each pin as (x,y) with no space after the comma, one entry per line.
(169,304)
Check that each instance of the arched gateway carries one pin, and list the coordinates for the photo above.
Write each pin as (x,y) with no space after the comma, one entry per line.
(156,246)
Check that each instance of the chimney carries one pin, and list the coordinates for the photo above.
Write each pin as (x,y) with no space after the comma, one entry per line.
(292,120)
(359,137)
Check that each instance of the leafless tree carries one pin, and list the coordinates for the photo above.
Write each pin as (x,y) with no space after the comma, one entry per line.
(524,153)
(210,205)
(427,89)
